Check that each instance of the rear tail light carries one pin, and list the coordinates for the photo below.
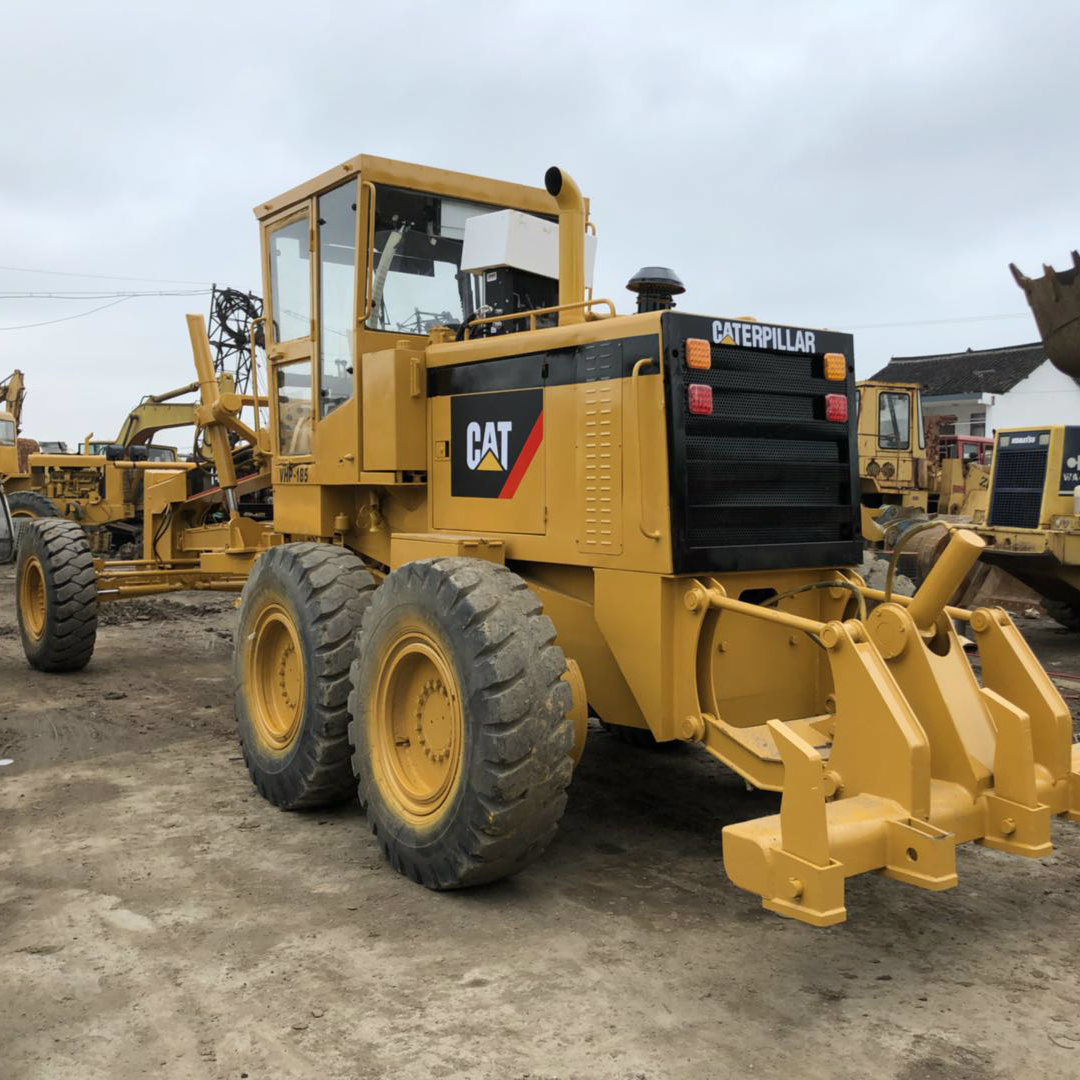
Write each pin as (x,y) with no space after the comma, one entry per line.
(835,366)
(700,399)
(698,354)
(835,407)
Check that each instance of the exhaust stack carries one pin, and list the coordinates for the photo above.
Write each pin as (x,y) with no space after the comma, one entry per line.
(571,242)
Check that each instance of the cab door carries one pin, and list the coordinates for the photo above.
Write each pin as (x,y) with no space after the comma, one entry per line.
(894,436)
(290,335)
(336,417)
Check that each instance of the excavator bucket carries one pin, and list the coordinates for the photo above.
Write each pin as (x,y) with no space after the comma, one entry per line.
(1055,302)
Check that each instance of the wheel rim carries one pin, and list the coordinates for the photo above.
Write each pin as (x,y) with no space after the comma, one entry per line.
(275,678)
(417,727)
(23,514)
(32,602)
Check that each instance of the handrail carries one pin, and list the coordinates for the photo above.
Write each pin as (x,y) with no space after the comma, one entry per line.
(645,361)
(255,373)
(371,248)
(531,315)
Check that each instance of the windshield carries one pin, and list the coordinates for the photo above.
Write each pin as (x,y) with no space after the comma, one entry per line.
(7,432)
(894,421)
(416,282)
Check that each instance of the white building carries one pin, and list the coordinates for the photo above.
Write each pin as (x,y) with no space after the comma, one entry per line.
(987,389)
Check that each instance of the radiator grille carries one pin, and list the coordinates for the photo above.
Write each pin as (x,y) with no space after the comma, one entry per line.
(1019,479)
(766,472)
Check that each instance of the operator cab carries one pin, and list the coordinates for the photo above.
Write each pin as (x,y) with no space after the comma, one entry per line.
(376,254)
(966,448)
(892,438)
(151,452)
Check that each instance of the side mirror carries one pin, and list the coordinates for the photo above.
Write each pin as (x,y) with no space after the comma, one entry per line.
(7,531)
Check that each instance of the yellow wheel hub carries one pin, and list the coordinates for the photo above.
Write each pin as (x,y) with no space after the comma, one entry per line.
(417,726)
(275,678)
(23,514)
(32,602)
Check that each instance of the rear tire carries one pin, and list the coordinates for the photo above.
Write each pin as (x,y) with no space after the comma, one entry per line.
(460,722)
(56,590)
(1064,612)
(300,612)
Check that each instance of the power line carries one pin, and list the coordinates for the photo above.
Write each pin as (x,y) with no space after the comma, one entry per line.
(940,322)
(67,318)
(104,277)
(89,294)
(113,298)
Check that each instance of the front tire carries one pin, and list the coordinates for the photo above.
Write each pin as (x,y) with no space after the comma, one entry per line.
(299,614)
(26,506)
(56,590)
(460,725)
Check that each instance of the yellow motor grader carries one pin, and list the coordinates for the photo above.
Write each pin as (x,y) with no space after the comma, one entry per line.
(499,505)
(101,488)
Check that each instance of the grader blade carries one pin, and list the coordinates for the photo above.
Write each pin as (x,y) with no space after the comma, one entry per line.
(921,757)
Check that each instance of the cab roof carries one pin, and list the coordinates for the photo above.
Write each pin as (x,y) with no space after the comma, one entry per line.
(379,170)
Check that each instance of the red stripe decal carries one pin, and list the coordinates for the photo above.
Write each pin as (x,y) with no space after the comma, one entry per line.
(521,466)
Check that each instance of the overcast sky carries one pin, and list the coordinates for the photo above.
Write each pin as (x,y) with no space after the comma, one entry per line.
(820,164)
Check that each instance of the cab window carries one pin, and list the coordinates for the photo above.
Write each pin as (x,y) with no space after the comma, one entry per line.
(294,408)
(416,281)
(894,421)
(7,432)
(337,293)
(290,280)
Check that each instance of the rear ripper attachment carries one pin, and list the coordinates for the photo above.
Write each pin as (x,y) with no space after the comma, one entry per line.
(914,757)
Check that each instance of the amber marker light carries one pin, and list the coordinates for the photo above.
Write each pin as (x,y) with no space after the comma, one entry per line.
(835,366)
(698,354)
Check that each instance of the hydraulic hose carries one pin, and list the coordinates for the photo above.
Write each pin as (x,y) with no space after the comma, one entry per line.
(899,545)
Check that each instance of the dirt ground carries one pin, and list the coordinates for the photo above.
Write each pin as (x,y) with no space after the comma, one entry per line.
(158,918)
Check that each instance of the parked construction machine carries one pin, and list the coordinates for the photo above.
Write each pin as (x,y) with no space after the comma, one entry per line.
(101,487)
(906,477)
(1033,526)
(498,506)
(7,530)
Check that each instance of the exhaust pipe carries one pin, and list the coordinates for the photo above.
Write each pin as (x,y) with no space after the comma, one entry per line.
(571,242)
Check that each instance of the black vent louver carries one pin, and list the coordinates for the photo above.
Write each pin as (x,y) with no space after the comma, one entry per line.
(1019,479)
(765,481)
